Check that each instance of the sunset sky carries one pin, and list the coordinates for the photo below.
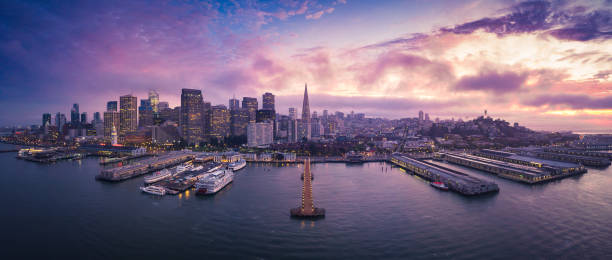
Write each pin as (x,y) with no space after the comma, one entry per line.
(544,64)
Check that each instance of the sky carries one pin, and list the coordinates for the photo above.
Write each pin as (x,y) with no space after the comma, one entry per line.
(544,64)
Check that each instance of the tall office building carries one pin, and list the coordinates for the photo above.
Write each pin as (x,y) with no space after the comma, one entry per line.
(305,128)
(111,120)
(74,114)
(163,105)
(268,101)
(234,104)
(420,116)
(239,121)
(111,106)
(128,114)
(220,122)
(83,118)
(250,104)
(206,118)
(97,117)
(46,119)
(154,101)
(259,134)
(191,119)
(60,121)
(293,113)
(145,113)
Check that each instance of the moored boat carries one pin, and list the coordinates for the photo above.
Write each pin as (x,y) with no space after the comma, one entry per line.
(439,185)
(237,165)
(155,190)
(158,176)
(214,182)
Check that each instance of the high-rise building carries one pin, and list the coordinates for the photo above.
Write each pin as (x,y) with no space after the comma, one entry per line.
(259,134)
(191,120)
(74,114)
(420,116)
(128,114)
(305,128)
(293,113)
(325,114)
(234,104)
(60,121)
(83,118)
(267,101)
(46,119)
(162,106)
(145,113)
(111,106)
(239,121)
(264,115)
(206,117)
(220,122)
(250,104)
(97,117)
(154,101)
(111,119)
(114,135)
(426,117)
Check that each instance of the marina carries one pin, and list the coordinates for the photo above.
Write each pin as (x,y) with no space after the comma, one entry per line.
(145,166)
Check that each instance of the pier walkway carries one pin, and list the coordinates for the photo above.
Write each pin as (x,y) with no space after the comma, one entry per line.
(307,210)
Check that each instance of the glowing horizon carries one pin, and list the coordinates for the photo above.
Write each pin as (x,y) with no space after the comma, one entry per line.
(546,65)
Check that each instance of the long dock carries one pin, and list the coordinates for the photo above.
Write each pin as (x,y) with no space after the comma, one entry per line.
(566,156)
(509,170)
(307,210)
(578,152)
(456,181)
(122,159)
(145,166)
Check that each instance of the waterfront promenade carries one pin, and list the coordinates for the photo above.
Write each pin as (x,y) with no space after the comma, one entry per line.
(307,210)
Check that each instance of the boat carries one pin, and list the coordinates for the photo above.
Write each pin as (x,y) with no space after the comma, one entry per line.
(158,176)
(214,182)
(353,157)
(182,168)
(439,185)
(237,165)
(213,166)
(155,190)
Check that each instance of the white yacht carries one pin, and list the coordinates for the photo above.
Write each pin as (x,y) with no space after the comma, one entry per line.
(158,176)
(214,182)
(237,165)
(155,190)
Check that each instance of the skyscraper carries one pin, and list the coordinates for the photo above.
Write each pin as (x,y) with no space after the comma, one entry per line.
(293,113)
(206,118)
(128,114)
(111,120)
(60,120)
(259,134)
(74,114)
(111,106)
(154,101)
(268,101)
(234,104)
(46,119)
(191,120)
(145,113)
(420,116)
(83,118)
(239,121)
(305,128)
(162,106)
(250,104)
(96,117)
(220,122)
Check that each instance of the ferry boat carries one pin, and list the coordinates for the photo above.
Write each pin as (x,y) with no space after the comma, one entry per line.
(155,190)
(158,176)
(211,167)
(214,182)
(237,165)
(183,168)
(439,185)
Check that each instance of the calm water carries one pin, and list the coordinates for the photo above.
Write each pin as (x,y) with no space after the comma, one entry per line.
(373,211)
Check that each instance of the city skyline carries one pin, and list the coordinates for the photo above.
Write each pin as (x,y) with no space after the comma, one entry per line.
(454,65)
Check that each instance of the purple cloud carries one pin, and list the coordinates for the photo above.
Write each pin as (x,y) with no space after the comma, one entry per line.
(492,81)
(571,101)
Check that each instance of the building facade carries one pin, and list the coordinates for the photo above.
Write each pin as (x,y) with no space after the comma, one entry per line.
(259,134)
(128,114)
(191,119)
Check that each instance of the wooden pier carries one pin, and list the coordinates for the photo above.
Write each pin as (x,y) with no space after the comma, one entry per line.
(307,210)
(145,166)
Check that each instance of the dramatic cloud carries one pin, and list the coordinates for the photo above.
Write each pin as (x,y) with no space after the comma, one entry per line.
(492,81)
(571,101)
